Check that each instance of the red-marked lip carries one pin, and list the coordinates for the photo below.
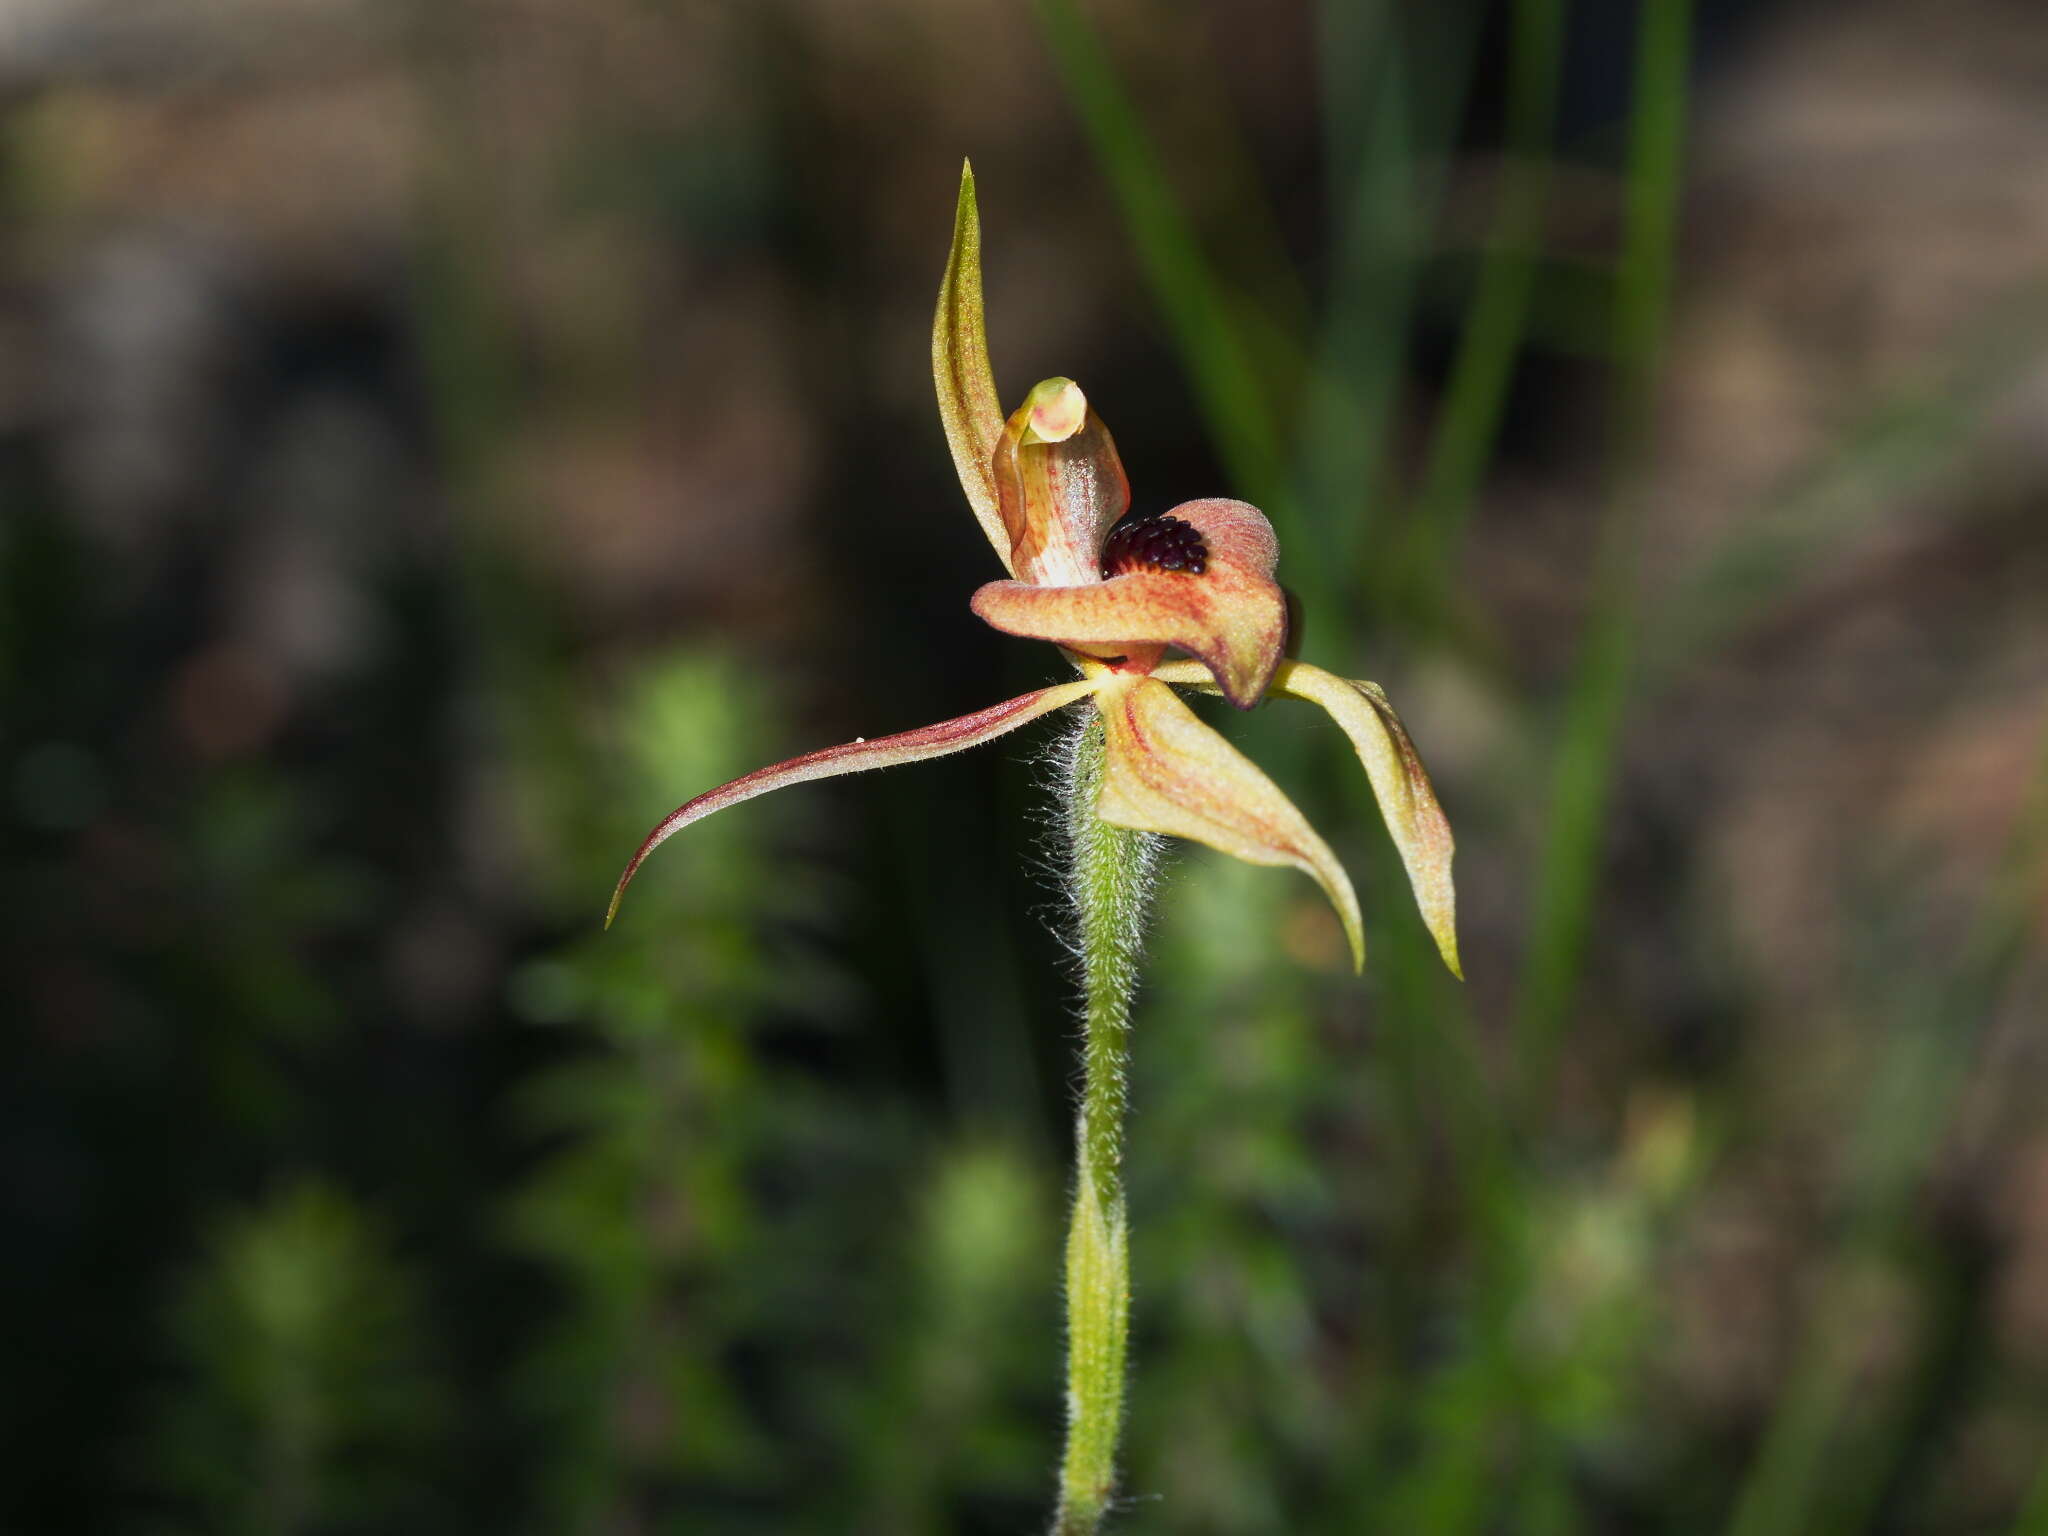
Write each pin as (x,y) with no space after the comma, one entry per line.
(1232,615)
(1154,541)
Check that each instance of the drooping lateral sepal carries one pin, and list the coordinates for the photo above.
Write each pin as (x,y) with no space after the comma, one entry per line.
(939,740)
(1407,800)
(1163,770)
(1060,485)
(969,407)
(1400,783)
(1231,614)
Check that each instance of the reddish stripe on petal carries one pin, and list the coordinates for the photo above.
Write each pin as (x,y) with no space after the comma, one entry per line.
(1399,781)
(857,757)
(1058,494)
(1163,770)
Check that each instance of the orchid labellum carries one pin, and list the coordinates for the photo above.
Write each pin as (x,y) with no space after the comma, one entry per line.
(1118,592)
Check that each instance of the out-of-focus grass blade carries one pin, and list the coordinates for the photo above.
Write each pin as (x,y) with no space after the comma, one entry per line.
(1394,84)
(1584,771)
(1447,1487)
(1476,396)
(1370,147)
(1199,310)
(1394,81)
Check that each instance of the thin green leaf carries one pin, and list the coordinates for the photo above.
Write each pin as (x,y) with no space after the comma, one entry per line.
(1582,780)
(1199,309)
(1476,397)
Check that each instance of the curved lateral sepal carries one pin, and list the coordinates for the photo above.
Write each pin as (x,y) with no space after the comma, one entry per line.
(946,737)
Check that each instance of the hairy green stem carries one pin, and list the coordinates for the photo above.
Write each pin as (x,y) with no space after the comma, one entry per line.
(1109,878)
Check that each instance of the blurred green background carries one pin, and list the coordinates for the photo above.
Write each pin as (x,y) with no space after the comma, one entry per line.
(436,439)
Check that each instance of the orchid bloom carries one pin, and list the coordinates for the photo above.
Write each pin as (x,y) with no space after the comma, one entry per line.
(1116,592)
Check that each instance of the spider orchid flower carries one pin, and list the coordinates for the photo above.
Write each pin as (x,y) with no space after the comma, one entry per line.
(1116,592)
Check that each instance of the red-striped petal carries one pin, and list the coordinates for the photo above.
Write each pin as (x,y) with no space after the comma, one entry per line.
(1060,484)
(1163,770)
(1399,782)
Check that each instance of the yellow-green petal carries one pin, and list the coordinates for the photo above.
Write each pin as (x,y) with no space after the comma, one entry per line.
(1163,770)
(1400,783)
